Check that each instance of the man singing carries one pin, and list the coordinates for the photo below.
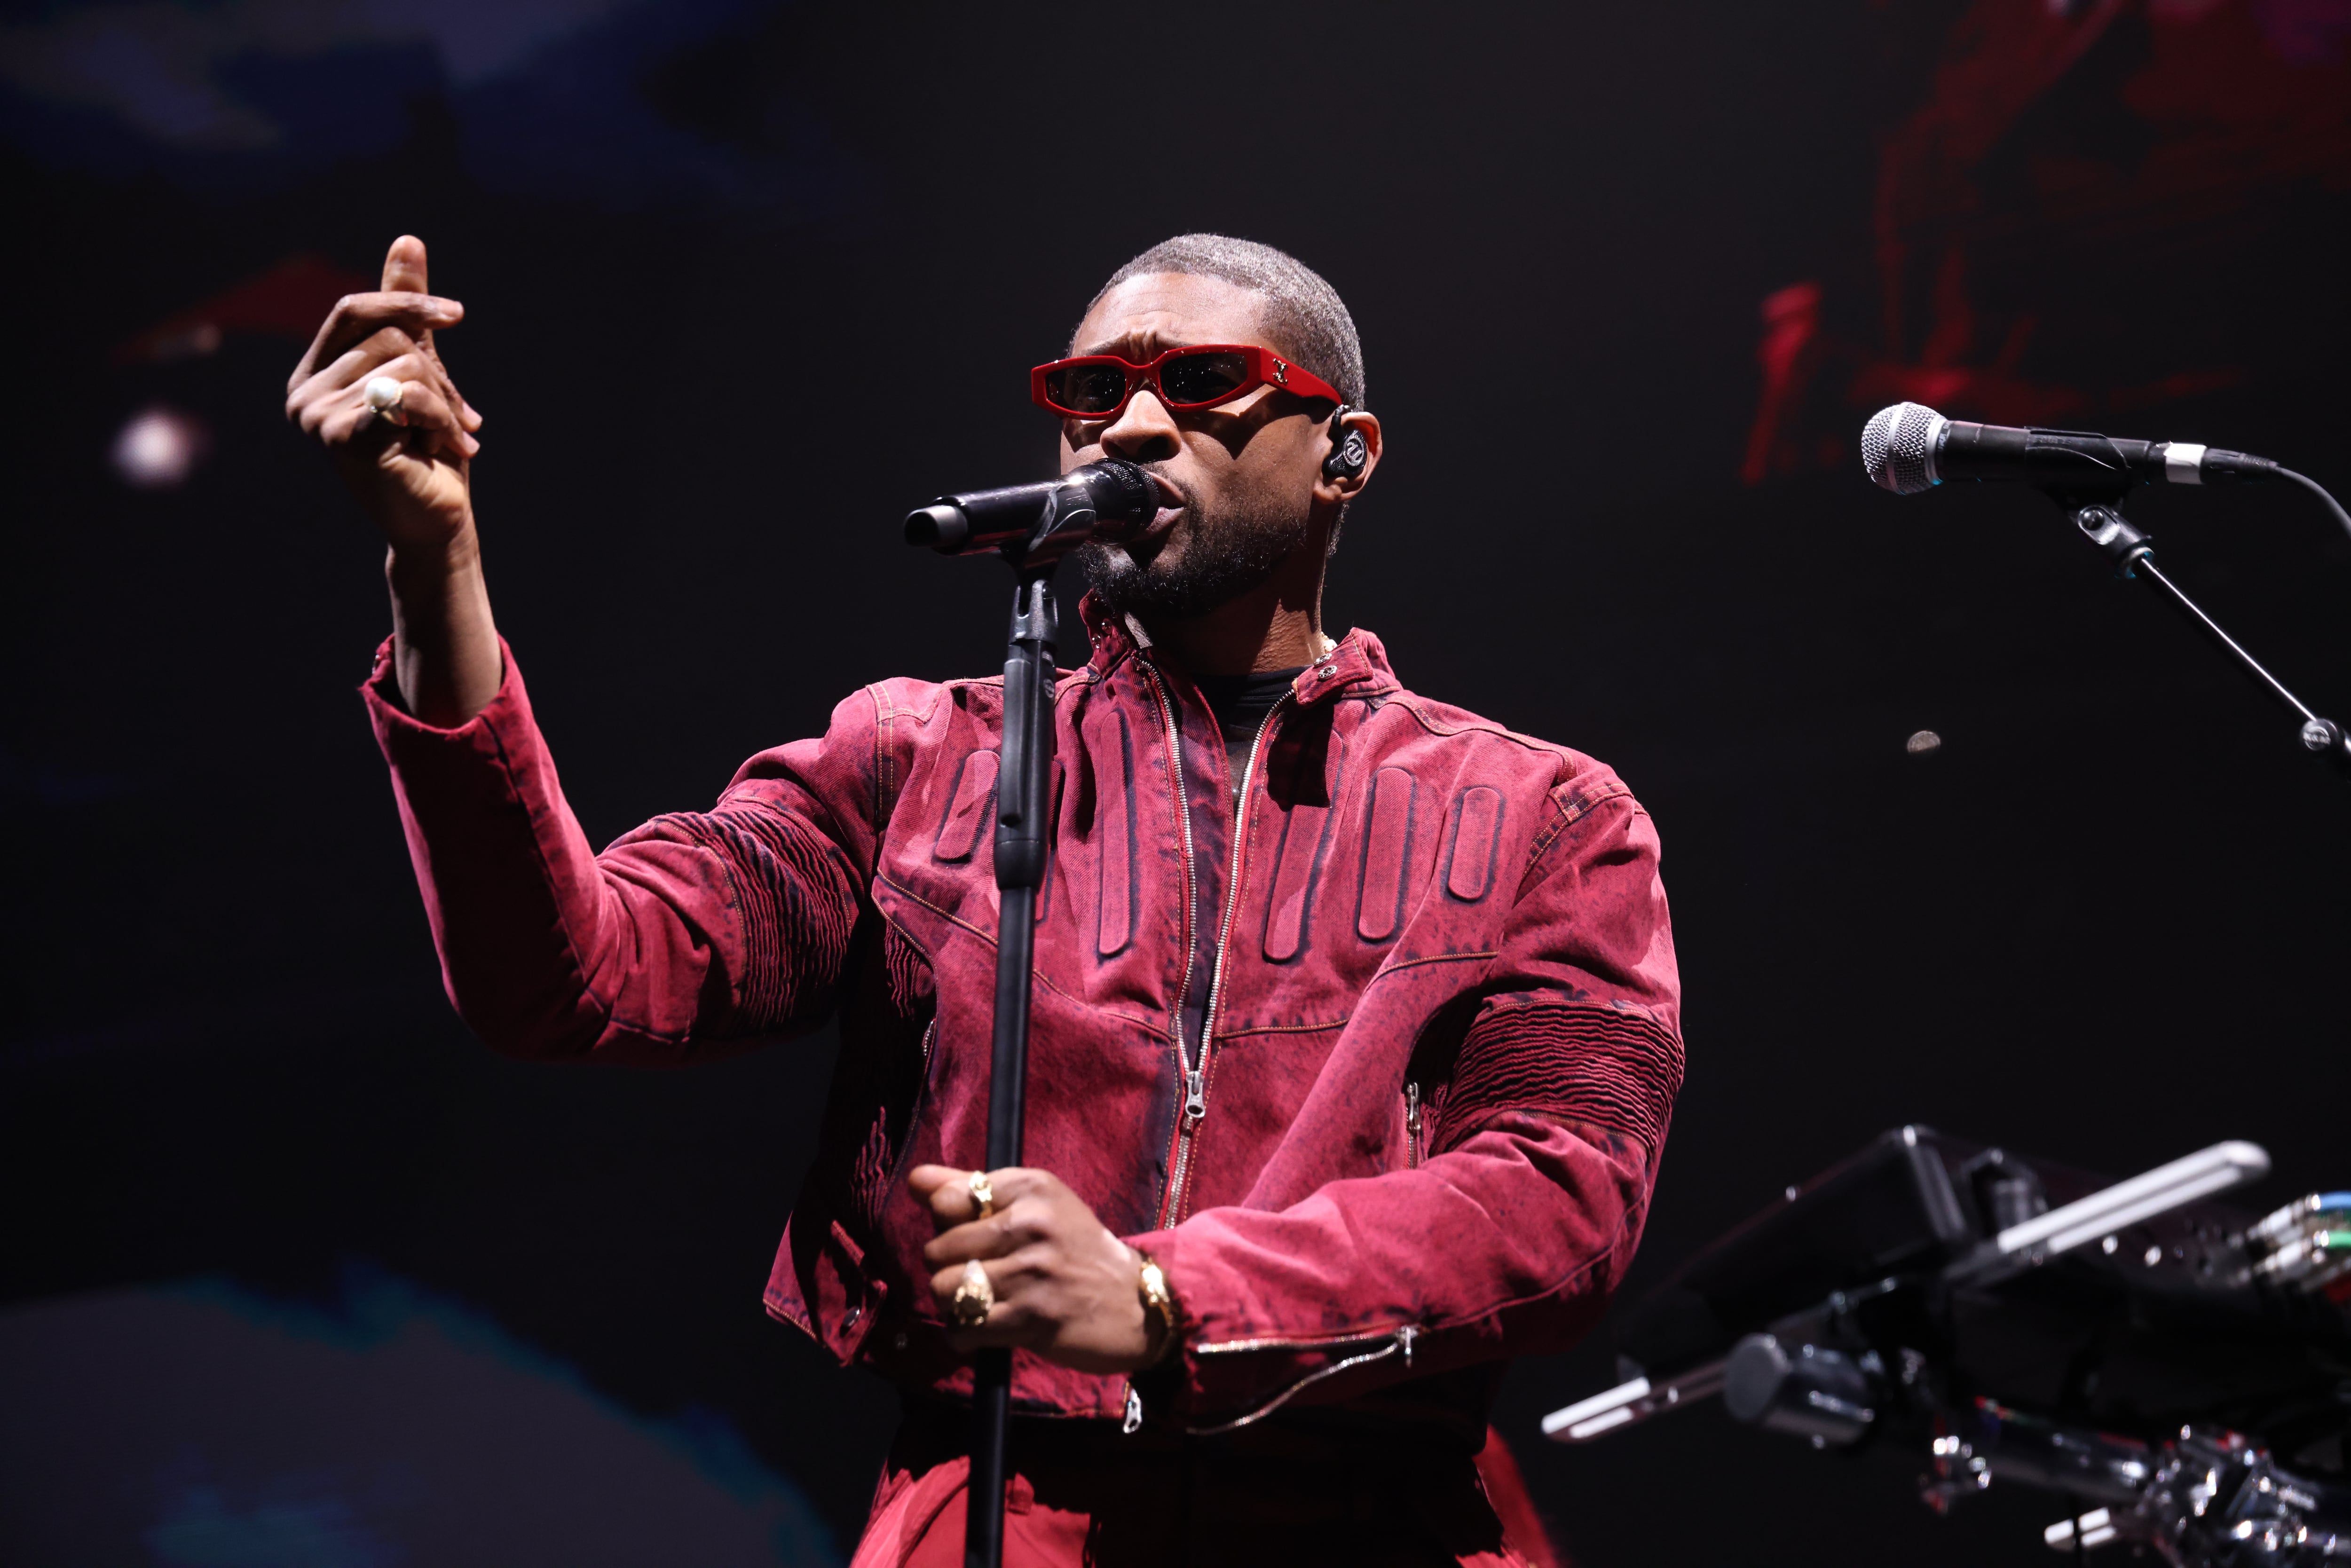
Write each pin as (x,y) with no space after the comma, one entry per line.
(1355,1023)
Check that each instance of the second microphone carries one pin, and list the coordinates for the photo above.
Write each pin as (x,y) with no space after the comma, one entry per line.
(1908,448)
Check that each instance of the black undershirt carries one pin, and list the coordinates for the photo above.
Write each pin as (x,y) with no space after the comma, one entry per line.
(1240,704)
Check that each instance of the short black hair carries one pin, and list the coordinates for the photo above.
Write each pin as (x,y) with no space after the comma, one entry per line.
(1303,315)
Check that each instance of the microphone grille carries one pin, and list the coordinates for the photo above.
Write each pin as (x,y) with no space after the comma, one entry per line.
(1896,447)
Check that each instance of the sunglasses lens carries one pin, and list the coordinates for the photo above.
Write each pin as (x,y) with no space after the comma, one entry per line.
(1192,379)
(1086,388)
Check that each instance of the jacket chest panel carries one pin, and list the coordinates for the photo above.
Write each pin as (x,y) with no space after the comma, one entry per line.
(1403,853)
(1111,924)
(1115,914)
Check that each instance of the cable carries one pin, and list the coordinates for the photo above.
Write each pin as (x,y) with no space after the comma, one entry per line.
(2319,490)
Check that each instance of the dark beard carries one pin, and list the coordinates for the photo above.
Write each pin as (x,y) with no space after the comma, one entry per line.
(1226,553)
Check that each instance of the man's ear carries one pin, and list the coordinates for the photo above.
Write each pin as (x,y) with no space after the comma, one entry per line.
(1353,453)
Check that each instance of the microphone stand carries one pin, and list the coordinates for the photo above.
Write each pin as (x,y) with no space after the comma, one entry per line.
(1031,527)
(2133,553)
(1023,802)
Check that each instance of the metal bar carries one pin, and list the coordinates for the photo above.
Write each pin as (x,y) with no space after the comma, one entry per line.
(2212,630)
(1630,1402)
(1024,802)
(2143,1196)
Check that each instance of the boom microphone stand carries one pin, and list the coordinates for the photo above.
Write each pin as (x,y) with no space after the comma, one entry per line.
(1032,527)
(2132,554)
(1908,449)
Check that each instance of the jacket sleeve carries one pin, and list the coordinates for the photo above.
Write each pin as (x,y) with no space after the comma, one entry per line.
(1509,1239)
(694,935)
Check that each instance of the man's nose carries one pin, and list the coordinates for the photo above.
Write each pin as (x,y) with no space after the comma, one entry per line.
(1143,430)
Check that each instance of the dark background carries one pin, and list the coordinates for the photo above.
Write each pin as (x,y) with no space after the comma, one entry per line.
(744,282)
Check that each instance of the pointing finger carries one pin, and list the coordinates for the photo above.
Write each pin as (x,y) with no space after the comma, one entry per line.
(403,266)
(404,270)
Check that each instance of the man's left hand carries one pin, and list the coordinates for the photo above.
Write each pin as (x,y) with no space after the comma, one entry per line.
(1065,1287)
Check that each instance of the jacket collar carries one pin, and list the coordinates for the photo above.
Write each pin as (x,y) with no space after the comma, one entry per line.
(1357,662)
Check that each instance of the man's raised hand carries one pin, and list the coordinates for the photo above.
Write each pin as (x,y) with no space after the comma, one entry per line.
(408,463)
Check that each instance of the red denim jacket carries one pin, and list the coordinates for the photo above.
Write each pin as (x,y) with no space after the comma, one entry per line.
(1376,1064)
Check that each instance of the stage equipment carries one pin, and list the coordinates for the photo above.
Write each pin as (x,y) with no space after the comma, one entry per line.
(1032,527)
(1908,448)
(2179,1371)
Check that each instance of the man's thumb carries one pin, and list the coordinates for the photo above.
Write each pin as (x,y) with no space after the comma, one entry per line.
(403,266)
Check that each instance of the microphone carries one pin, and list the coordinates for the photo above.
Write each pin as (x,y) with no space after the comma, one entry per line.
(1038,523)
(1908,448)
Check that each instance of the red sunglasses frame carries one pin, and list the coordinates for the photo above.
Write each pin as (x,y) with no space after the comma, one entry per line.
(1267,369)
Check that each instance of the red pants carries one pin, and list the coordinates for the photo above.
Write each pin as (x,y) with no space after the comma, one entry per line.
(1085,1496)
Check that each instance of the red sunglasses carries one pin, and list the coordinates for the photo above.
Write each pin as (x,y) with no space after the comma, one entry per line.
(1097,386)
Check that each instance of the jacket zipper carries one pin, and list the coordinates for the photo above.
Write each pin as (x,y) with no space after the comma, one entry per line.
(1196,1082)
(1412,1126)
(1396,1341)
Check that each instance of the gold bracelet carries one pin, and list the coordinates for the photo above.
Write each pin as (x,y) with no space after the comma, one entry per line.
(1151,1282)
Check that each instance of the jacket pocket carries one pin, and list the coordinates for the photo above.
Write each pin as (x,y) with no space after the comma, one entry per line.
(820,1282)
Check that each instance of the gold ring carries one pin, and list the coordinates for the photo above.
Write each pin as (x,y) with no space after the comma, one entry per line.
(983,1194)
(973,1298)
